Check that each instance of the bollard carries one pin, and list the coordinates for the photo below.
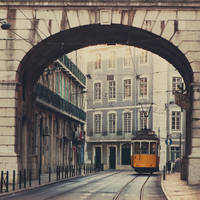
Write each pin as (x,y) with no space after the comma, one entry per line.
(65,171)
(24,178)
(30,177)
(62,172)
(1,181)
(20,179)
(164,173)
(7,175)
(49,174)
(39,176)
(13,180)
(57,173)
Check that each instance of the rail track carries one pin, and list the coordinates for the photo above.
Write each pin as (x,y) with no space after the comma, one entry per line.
(117,196)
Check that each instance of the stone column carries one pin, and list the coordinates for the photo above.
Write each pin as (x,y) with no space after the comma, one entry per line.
(194,157)
(8,156)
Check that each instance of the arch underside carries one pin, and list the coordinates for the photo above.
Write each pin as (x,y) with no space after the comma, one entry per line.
(69,40)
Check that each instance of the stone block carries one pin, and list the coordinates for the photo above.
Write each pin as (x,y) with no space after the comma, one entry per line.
(6,102)
(194,59)
(7,112)
(55,27)
(187,15)
(73,20)
(7,140)
(139,18)
(7,121)
(157,28)
(25,14)
(125,17)
(24,24)
(196,77)
(3,13)
(9,65)
(151,14)
(8,75)
(43,27)
(194,171)
(92,15)
(6,94)
(15,54)
(7,130)
(196,124)
(45,14)
(186,46)
(193,25)
(196,105)
(168,30)
(166,15)
(180,36)
(84,17)
(116,16)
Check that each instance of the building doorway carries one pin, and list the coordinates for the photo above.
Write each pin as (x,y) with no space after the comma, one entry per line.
(112,158)
(97,157)
(126,157)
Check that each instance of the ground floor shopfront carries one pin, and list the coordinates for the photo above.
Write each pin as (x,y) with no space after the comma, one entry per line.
(109,155)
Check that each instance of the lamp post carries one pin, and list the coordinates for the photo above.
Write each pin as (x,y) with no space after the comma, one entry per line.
(4,24)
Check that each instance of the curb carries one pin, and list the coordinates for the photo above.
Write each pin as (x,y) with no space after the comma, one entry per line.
(164,190)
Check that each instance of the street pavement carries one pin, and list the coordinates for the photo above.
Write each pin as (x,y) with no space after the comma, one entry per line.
(173,187)
(177,189)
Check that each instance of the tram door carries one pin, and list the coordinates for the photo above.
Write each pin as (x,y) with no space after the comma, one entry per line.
(112,158)
(98,157)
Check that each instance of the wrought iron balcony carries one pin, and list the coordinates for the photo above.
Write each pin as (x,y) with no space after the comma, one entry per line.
(119,135)
(73,68)
(54,99)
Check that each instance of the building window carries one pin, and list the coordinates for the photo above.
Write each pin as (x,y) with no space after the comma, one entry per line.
(127,88)
(143,119)
(176,120)
(97,91)
(127,122)
(112,122)
(143,57)
(112,60)
(175,83)
(143,87)
(98,62)
(97,123)
(112,90)
(175,153)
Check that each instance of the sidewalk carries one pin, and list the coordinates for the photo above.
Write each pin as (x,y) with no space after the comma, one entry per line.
(177,189)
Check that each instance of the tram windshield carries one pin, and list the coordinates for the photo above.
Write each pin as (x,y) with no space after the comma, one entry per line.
(145,147)
(152,148)
(137,147)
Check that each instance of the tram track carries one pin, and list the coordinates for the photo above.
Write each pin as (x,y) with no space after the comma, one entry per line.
(117,196)
(142,188)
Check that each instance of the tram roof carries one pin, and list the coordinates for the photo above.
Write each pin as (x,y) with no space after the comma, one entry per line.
(146,134)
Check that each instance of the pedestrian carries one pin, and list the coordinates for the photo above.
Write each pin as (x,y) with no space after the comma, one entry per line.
(168,166)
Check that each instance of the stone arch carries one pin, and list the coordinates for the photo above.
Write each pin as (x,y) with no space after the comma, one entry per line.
(72,39)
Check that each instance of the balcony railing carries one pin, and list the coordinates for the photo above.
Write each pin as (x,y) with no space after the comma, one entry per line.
(73,68)
(119,135)
(54,99)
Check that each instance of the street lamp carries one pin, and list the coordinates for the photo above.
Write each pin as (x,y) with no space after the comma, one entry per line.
(4,24)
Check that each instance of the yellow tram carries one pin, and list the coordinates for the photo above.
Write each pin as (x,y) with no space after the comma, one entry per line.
(145,151)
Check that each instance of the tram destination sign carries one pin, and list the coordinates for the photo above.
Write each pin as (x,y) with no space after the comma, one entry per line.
(182,100)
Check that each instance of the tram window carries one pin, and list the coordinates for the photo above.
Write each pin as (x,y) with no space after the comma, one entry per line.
(145,148)
(152,148)
(136,147)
